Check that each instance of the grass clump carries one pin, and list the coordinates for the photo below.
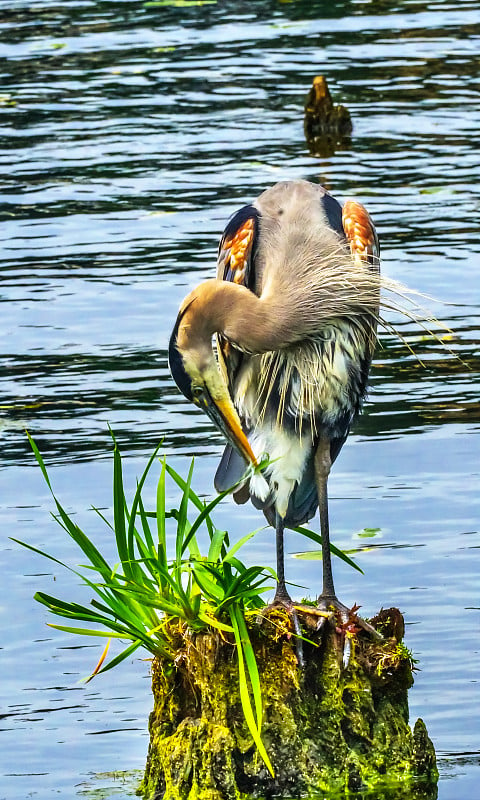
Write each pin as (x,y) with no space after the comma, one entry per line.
(149,592)
(139,598)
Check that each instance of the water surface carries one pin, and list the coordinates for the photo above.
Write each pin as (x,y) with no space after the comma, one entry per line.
(129,133)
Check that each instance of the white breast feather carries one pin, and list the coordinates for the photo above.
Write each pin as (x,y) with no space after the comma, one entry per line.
(319,383)
(288,455)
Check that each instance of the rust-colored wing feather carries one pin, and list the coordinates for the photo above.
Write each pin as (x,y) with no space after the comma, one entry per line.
(235,253)
(236,263)
(365,248)
(361,234)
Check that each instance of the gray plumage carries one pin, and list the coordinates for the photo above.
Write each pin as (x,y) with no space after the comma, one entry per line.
(326,306)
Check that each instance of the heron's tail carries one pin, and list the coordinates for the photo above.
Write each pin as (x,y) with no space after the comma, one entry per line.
(230,471)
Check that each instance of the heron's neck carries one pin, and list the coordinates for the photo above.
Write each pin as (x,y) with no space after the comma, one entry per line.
(254,324)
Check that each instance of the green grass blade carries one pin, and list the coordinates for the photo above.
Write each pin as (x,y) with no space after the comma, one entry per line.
(148,551)
(124,604)
(183,529)
(251,664)
(315,537)
(109,592)
(119,511)
(231,564)
(119,623)
(182,520)
(160,515)
(236,547)
(42,553)
(242,581)
(135,504)
(190,541)
(236,617)
(209,587)
(182,484)
(251,595)
(193,497)
(204,516)
(216,545)
(154,560)
(148,643)
(82,540)
(40,461)
(87,631)
(213,622)
(135,599)
(103,517)
(63,608)
(155,601)
(119,658)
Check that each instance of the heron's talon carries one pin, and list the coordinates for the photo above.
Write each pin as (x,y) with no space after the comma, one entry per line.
(283,601)
(347,621)
(279,603)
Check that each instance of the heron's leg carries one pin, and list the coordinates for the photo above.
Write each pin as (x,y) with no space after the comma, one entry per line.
(322,471)
(282,596)
(328,601)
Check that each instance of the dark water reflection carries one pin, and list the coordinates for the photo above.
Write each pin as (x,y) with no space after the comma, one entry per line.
(129,132)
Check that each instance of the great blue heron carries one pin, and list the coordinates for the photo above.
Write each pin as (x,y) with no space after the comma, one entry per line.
(294,308)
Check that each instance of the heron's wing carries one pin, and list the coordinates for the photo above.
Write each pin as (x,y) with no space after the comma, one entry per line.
(236,252)
(236,263)
(230,470)
(361,234)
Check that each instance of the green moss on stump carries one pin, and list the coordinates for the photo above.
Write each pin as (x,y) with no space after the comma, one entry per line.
(328,729)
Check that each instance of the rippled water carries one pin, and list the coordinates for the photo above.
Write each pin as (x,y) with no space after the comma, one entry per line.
(129,133)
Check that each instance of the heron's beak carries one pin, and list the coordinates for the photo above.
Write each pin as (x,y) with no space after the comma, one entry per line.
(224,416)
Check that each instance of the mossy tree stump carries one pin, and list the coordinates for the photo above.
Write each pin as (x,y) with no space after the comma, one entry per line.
(328,727)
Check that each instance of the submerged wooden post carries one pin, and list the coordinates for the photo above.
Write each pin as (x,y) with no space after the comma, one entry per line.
(327,727)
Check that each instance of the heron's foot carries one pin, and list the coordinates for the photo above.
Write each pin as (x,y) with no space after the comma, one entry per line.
(346,620)
(283,602)
(282,599)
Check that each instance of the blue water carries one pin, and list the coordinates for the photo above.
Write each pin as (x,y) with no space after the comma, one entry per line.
(129,132)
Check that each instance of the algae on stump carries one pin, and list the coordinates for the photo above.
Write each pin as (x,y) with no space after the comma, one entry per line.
(327,727)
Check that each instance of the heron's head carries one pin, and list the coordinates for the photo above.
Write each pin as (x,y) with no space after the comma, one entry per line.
(195,371)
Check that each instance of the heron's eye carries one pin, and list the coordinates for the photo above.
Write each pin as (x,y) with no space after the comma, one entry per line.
(197,392)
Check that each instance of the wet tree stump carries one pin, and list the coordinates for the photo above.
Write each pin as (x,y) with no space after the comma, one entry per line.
(330,727)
